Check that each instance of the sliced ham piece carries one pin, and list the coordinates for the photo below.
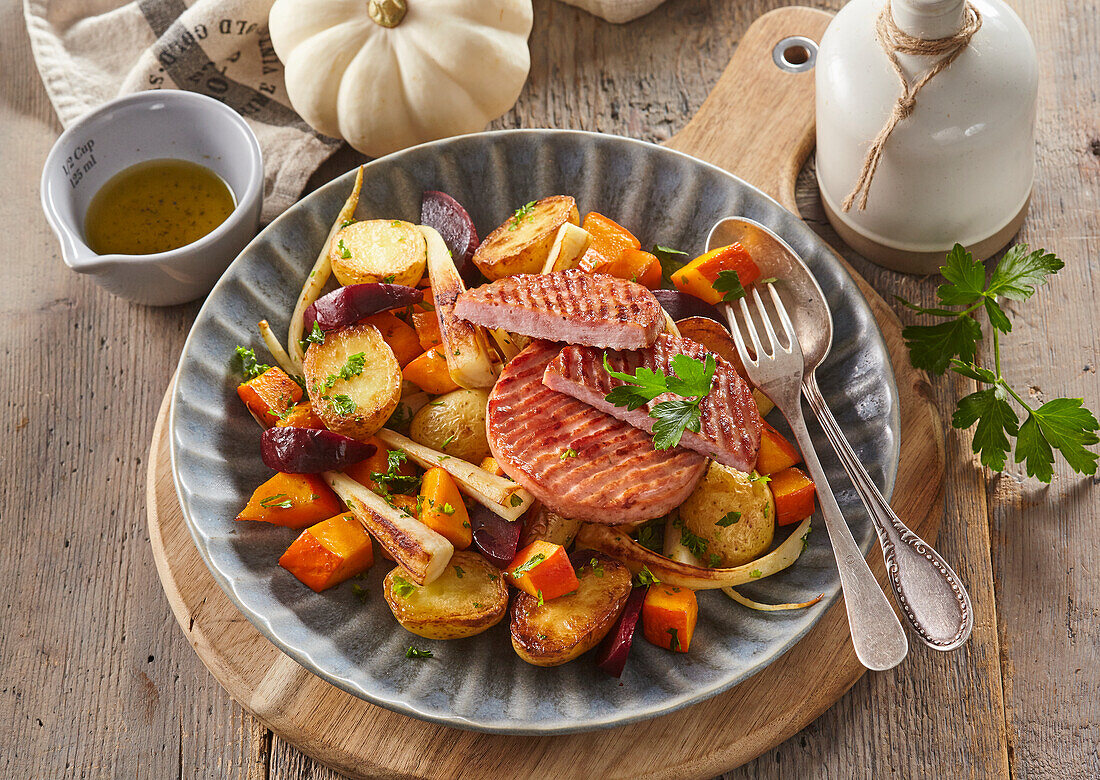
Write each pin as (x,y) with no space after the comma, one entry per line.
(730,423)
(578,461)
(571,306)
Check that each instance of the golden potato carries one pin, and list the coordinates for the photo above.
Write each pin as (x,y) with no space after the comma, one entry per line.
(561,629)
(522,244)
(454,424)
(353,380)
(711,511)
(467,598)
(378,250)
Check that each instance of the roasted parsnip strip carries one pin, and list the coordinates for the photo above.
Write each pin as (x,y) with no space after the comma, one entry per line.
(501,496)
(616,543)
(569,244)
(759,607)
(318,277)
(419,550)
(271,341)
(464,344)
(506,342)
(670,324)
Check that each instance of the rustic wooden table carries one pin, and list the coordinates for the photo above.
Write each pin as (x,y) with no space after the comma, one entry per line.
(96,679)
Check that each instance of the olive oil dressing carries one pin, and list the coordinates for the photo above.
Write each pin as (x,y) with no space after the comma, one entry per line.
(156,206)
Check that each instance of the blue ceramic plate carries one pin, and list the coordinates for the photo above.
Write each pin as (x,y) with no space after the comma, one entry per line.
(479,683)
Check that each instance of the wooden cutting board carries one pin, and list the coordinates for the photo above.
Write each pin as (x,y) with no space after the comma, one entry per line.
(758,124)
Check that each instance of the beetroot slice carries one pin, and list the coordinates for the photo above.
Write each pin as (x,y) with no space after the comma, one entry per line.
(347,305)
(442,212)
(494,537)
(615,647)
(681,305)
(310,451)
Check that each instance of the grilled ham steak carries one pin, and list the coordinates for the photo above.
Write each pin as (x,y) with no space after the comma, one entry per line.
(577,460)
(730,422)
(571,306)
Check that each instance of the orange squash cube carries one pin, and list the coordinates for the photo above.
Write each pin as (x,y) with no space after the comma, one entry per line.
(669,614)
(794,496)
(400,337)
(697,277)
(490,464)
(442,509)
(300,416)
(429,372)
(292,500)
(426,325)
(634,265)
(330,552)
(378,463)
(542,569)
(269,395)
(776,453)
(609,238)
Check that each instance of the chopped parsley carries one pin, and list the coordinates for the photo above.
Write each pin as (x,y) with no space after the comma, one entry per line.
(360,592)
(391,481)
(316,335)
(597,566)
(277,501)
(729,519)
(646,577)
(402,587)
(412,652)
(388,278)
(674,642)
(568,452)
(540,601)
(250,366)
(458,571)
(527,565)
(344,252)
(713,559)
(448,440)
(515,500)
(520,214)
(447,509)
(343,405)
(762,478)
(755,574)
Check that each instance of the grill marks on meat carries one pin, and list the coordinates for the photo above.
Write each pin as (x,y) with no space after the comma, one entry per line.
(730,423)
(571,306)
(615,476)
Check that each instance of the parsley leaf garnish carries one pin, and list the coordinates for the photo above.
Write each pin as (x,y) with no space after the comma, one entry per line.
(729,282)
(250,366)
(690,380)
(402,587)
(667,256)
(391,480)
(1062,424)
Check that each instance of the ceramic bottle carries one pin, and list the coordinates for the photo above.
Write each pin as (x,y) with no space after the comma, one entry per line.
(960,167)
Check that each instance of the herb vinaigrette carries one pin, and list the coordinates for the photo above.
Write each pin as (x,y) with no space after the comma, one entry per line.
(156,206)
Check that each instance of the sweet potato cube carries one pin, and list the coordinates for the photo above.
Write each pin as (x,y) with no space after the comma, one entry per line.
(490,464)
(635,265)
(378,463)
(269,395)
(542,569)
(609,238)
(330,552)
(442,510)
(400,337)
(794,496)
(429,372)
(697,277)
(292,500)
(669,614)
(776,453)
(300,416)
(426,325)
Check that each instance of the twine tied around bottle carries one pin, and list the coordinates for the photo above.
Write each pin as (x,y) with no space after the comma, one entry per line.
(894,41)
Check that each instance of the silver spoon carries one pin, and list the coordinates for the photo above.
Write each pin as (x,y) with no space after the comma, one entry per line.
(931,596)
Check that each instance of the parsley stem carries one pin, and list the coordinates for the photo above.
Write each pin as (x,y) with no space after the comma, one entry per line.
(997,353)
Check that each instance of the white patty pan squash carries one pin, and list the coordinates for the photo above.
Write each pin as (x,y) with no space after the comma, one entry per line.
(387,74)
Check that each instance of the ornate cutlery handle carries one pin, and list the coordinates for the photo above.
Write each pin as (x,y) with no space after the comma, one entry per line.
(930,594)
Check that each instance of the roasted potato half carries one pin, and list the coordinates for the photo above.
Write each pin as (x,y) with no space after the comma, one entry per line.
(560,630)
(522,244)
(378,250)
(353,380)
(745,508)
(466,599)
(454,424)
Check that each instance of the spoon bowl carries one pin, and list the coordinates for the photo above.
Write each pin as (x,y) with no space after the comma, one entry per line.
(797,287)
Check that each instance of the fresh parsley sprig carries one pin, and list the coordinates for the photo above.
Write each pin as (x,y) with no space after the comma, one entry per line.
(690,382)
(1062,424)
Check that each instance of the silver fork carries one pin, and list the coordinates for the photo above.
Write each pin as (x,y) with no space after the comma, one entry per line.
(877,634)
